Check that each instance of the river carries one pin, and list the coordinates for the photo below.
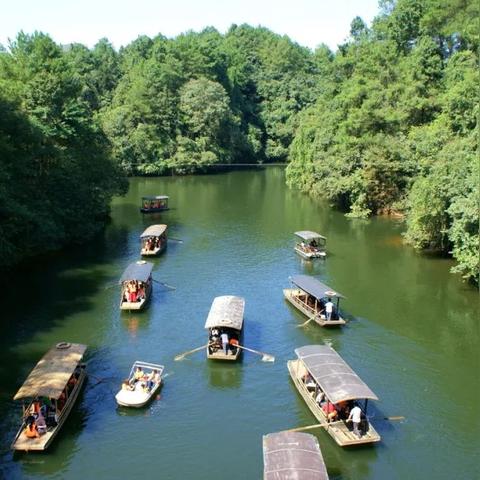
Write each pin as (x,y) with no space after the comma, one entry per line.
(412,337)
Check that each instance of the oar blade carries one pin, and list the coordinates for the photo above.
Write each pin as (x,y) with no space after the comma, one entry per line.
(268,358)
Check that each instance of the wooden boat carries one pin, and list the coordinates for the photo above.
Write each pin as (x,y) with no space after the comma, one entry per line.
(154,240)
(137,392)
(320,373)
(310,244)
(136,283)
(153,204)
(292,456)
(311,296)
(48,395)
(225,318)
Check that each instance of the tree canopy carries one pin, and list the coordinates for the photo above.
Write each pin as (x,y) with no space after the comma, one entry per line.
(387,123)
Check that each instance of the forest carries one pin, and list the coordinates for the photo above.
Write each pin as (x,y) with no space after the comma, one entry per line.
(387,124)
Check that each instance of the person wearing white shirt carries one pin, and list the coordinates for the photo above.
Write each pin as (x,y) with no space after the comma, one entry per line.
(329,309)
(356,417)
(224,338)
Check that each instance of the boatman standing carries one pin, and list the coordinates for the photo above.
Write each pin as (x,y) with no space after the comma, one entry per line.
(224,338)
(329,309)
(355,417)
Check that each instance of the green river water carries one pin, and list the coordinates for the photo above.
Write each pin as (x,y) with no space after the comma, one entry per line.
(412,337)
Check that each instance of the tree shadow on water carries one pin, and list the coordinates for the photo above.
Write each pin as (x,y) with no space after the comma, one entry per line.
(42,297)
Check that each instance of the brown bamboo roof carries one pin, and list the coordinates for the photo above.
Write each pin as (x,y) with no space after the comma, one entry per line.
(52,372)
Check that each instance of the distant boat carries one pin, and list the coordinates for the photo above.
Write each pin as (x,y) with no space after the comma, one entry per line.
(137,286)
(153,204)
(292,456)
(154,240)
(311,244)
(311,297)
(225,318)
(49,393)
(328,385)
(136,392)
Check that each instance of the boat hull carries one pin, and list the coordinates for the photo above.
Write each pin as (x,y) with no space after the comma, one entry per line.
(291,294)
(133,399)
(338,430)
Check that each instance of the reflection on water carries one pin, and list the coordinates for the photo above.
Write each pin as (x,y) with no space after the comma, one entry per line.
(225,374)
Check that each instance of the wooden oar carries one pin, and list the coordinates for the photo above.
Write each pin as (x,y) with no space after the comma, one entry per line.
(166,285)
(175,239)
(392,419)
(318,425)
(181,356)
(310,319)
(266,357)
(309,427)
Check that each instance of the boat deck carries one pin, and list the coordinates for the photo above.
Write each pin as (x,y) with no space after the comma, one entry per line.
(293,295)
(340,431)
(219,355)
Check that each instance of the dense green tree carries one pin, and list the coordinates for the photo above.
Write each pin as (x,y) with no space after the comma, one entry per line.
(57,177)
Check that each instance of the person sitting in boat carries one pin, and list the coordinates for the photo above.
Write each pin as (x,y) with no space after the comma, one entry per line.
(140,291)
(139,374)
(233,345)
(127,386)
(320,398)
(314,244)
(330,411)
(132,292)
(41,424)
(153,379)
(308,381)
(31,430)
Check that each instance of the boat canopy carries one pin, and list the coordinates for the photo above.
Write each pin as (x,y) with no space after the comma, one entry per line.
(140,271)
(52,372)
(307,235)
(226,311)
(154,231)
(155,197)
(292,455)
(313,287)
(331,372)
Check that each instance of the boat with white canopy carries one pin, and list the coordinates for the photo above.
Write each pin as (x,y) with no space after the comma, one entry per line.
(331,389)
(292,456)
(154,240)
(136,282)
(225,325)
(310,244)
(315,300)
(141,385)
(48,395)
